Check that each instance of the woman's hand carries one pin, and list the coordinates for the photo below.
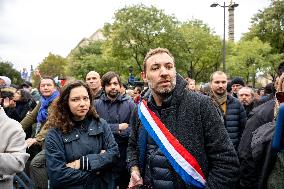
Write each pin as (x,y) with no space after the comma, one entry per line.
(30,142)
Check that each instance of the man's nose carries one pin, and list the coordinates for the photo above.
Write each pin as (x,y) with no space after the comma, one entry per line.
(164,71)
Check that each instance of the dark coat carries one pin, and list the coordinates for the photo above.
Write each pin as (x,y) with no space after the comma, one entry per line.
(19,112)
(116,112)
(193,119)
(235,120)
(250,107)
(64,148)
(262,153)
(250,171)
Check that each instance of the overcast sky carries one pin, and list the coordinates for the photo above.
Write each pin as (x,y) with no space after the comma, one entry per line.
(30,29)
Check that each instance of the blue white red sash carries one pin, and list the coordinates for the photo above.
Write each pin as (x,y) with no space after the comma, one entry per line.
(181,160)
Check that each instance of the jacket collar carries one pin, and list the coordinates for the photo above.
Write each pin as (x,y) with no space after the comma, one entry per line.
(119,98)
(230,98)
(93,127)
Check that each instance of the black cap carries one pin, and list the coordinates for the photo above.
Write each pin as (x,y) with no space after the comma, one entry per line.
(238,80)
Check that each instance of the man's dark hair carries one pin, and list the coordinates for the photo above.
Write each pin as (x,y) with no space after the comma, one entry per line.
(280,68)
(139,89)
(107,77)
(125,85)
(269,89)
(26,84)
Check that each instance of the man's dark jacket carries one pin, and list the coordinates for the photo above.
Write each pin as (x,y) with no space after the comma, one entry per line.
(235,120)
(250,171)
(194,121)
(250,107)
(116,112)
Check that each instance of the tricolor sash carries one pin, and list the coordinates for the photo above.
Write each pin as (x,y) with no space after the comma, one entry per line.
(180,159)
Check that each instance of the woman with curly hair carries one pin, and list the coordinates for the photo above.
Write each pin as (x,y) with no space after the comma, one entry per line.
(80,147)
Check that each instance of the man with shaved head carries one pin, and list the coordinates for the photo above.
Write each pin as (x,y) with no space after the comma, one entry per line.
(93,79)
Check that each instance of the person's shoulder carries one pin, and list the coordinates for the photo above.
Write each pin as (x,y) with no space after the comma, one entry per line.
(195,96)
(54,133)
(12,125)
(233,101)
(266,107)
(102,121)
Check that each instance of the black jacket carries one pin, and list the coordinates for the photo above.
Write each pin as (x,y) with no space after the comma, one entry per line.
(250,107)
(250,171)
(193,119)
(64,148)
(235,120)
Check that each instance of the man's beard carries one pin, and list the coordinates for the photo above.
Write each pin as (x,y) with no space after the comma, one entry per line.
(112,94)
(162,91)
(219,92)
(245,103)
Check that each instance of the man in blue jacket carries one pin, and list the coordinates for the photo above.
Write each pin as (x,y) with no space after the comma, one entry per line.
(116,110)
(233,111)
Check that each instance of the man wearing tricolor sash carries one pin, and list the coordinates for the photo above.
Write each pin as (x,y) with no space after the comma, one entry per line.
(178,139)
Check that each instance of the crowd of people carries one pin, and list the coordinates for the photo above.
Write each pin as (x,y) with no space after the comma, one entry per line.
(167,134)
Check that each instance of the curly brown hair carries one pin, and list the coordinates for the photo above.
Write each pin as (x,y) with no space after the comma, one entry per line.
(60,115)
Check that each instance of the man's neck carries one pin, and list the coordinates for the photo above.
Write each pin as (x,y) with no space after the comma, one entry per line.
(112,99)
(158,99)
(95,91)
(219,95)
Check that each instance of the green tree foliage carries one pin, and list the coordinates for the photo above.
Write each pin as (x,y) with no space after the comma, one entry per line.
(135,30)
(52,65)
(88,58)
(249,57)
(6,69)
(199,51)
(268,26)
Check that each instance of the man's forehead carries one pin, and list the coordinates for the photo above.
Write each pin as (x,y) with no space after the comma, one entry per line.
(92,74)
(160,58)
(245,91)
(219,77)
(46,81)
(113,80)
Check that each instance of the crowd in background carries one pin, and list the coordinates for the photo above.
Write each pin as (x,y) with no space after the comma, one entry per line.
(77,135)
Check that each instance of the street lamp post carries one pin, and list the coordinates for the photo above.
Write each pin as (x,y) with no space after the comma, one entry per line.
(131,78)
(231,5)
